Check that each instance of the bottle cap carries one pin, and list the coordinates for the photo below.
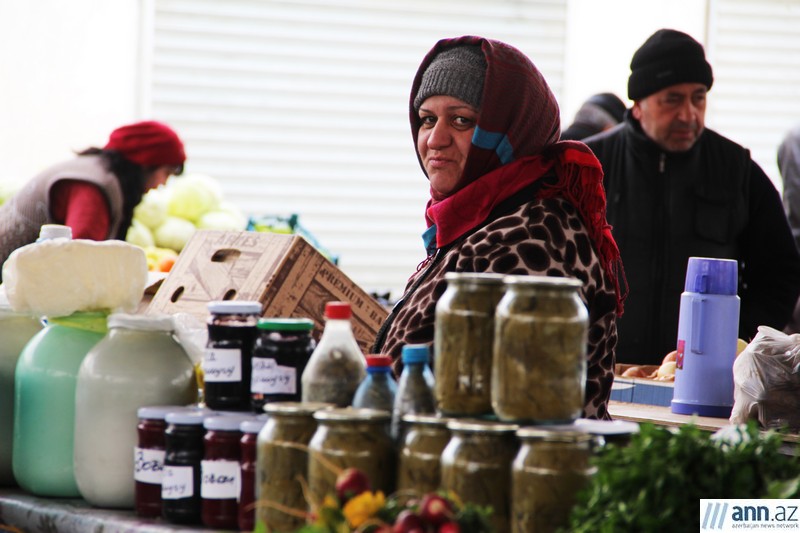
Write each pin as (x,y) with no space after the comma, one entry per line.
(415,353)
(338,310)
(707,275)
(379,361)
(286,324)
(234,307)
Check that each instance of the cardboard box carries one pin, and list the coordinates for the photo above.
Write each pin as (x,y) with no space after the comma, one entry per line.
(641,390)
(283,272)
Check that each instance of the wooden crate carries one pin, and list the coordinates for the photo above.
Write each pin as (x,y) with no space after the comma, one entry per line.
(283,272)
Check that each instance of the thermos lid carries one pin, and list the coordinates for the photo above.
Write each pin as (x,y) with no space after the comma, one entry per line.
(707,275)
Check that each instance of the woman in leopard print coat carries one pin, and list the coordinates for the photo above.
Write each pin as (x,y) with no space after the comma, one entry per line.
(506,196)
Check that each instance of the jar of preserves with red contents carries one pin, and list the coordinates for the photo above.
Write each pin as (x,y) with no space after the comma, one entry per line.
(180,484)
(249,458)
(280,354)
(221,471)
(148,464)
(232,329)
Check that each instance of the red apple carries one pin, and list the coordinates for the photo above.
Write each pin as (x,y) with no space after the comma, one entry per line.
(408,522)
(351,482)
(435,510)
(449,527)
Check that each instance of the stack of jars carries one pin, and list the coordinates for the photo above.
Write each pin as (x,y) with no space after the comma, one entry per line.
(510,362)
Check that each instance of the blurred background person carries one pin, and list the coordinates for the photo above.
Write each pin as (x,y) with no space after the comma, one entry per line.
(676,190)
(789,166)
(505,196)
(599,113)
(95,192)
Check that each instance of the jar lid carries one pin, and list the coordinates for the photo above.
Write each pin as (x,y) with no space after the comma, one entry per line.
(544,281)
(480,426)
(607,427)
(379,361)
(353,414)
(54,231)
(158,412)
(415,353)
(426,420)
(338,310)
(253,425)
(225,421)
(486,278)
(555,433)
(234,307)
(188,416)
(295,408)
(286,324)
(160,322)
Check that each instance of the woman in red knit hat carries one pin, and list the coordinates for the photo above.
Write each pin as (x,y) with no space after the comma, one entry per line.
(95,192)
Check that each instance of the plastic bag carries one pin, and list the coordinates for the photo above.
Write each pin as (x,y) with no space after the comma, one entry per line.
(766,380)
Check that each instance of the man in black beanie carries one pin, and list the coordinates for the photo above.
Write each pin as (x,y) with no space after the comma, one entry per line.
(676,190)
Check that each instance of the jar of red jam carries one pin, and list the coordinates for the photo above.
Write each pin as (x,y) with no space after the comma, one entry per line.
(226,362)
(148,463)
(180,484)
(221,471)
(249,455)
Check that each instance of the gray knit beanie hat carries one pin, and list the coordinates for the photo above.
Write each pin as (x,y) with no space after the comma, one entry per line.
(458,72)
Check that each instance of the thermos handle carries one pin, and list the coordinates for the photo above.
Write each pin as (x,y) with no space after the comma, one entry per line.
(698,324)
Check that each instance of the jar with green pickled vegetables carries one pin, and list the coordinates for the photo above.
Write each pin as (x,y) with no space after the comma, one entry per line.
(463,343)
(552,465)
(281,463)
(476,465)
(419,468)
(540,344)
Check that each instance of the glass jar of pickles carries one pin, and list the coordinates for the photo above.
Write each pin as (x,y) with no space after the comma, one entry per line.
(463,340)
(552,465)
(476,465)
(351,438)
(281,461)
(419,468)
(539,361)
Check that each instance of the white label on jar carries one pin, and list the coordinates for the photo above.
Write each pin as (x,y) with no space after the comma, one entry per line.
(220,480)
(148,465)
(268,377)
(222,364)
(177,482)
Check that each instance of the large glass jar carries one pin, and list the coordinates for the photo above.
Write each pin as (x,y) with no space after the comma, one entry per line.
(419,466)
(539,370)
(552,465)
(138,363)
(351,438)
(463,336)
(281,461)
(476,465)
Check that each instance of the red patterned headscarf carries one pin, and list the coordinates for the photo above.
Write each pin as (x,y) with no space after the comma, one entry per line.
(515,143)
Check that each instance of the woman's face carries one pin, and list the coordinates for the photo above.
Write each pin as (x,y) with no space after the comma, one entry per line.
(158,177)
(444,140)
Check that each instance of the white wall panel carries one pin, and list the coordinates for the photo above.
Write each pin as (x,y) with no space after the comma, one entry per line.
(301,107)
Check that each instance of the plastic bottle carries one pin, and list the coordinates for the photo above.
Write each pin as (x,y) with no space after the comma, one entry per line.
(337,366)
(138,363)
(415,391)
(379,388)
(44,404)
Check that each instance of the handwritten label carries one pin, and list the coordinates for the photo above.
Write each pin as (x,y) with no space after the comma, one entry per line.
(222,364)
(148,465)
(220,480)
(177,482)
(268,377)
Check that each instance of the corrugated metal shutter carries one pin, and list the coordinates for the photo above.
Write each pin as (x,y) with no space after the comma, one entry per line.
(301,107)
(754,47)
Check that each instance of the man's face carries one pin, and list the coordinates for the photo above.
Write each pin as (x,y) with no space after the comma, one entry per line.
(673,117)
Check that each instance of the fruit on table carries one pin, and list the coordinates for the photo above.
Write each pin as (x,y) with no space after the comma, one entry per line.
(351,482)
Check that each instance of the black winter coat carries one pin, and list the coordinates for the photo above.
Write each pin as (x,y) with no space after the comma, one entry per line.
(712,201)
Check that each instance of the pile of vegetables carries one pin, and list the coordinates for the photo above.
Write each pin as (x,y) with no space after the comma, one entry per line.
(656,482)
(168,216)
